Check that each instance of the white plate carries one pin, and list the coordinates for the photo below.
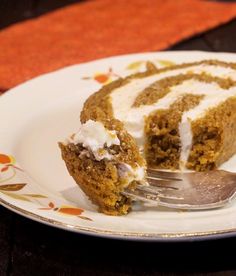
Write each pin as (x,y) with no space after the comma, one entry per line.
(34,181)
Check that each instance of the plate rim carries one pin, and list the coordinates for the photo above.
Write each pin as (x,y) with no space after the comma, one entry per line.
(133,236)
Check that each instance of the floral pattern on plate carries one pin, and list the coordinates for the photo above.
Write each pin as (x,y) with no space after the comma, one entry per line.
(9,170)
(135,67)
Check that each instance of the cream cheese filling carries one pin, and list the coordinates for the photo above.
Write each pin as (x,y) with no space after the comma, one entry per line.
(94,137)
(130,174)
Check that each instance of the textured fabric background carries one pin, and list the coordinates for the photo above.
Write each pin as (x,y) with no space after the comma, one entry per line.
(102,28)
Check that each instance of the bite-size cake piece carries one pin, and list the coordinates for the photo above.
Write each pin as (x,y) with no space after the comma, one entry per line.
(180,117)
(104,162)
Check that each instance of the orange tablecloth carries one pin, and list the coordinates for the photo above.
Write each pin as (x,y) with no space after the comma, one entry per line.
(95,29)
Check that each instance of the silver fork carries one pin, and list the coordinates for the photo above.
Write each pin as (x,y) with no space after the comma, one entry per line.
(189,190)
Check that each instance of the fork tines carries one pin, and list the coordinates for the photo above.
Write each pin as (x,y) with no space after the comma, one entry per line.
(190,191)
(153,173)
(163,179)
(162,186)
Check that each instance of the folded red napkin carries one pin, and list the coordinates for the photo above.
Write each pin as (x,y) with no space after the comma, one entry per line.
(102,28)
